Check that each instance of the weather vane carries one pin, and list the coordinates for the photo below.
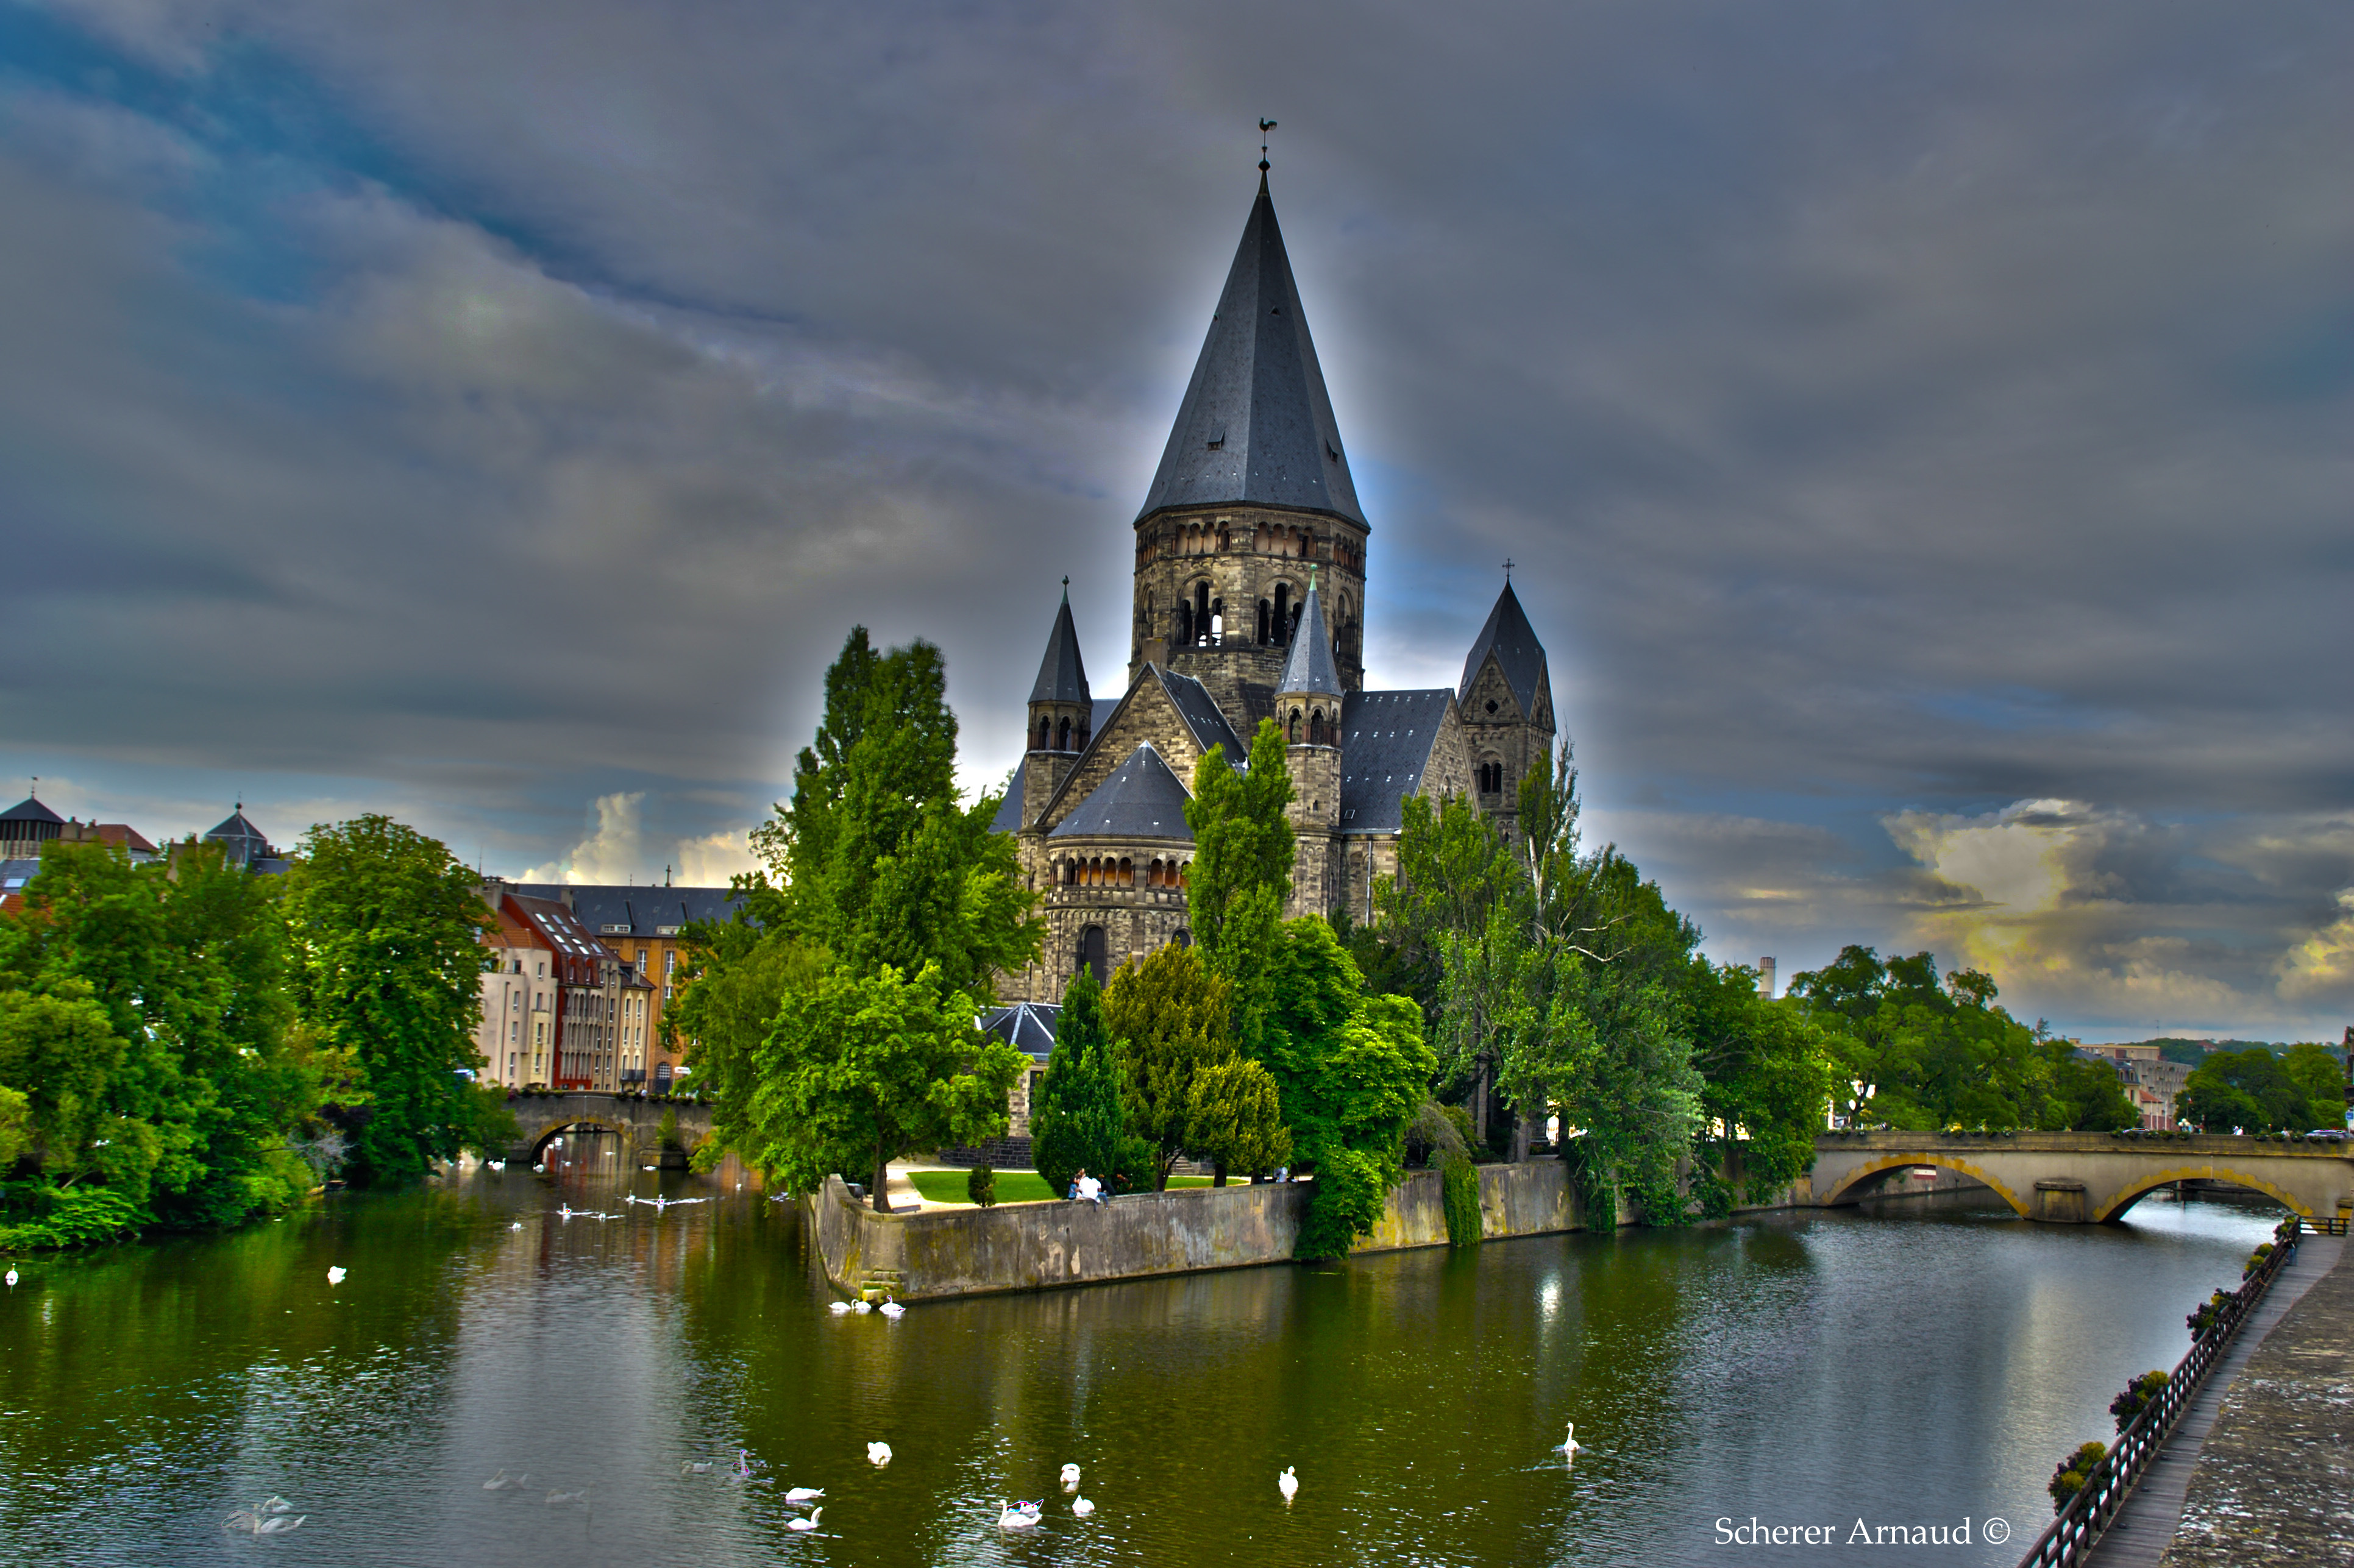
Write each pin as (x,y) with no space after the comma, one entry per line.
(1263,127)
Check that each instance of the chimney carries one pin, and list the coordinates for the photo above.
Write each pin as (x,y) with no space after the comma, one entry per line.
(1765,977)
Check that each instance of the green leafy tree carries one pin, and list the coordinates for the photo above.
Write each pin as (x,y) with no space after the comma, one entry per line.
(1233,1118)
(2317,1072)
(865,1068)
(1765,1077)
(2081,1096)
(1241,871)
(1077,1123)
(1933,1054)
(386,926)
(738,974)
(2249,1091)
(1171,1016)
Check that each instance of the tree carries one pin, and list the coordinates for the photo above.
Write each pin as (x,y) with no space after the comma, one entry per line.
(1076,1123)
(2249,1091)
(1242,851)
(738,974)
(1765,1075)
(875,861)
(2319,1074)
(862,1068)
(1933,1054)
(386,925)
(2081,1095)
(1173,1019)
(1233,1118)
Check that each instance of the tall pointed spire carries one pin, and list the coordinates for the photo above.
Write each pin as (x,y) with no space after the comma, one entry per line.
(1509,637)
(1308,666)
(1257,424)
(1062,676)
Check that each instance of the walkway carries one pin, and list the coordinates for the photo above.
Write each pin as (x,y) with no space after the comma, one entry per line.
(2147,1522)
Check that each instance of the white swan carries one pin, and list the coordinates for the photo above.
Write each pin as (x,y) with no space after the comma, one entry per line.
(890,1308)
(837,1306)
(862,1306)
(1011,1518)
(278,1524)
(694,1466)
(804,1494)
(1081,1507)
(1287,1484)
(503,1483)
(12,1279)
(1070,1478)
(808,1523)
(878,1453)
(495,1164)
(1570,1445)
(335,1274)
(580,1495)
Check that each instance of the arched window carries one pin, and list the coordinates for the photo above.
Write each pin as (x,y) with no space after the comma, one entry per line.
(1316,728)
(1185,624)
(1182,938)
(1200,612)
(1283,612)
(1127,873)
(1094,953)
(1045,732)
(1063,735)
(1266,622)
(1295,727)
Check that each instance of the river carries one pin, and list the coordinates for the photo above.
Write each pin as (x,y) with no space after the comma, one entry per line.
(1913,1367)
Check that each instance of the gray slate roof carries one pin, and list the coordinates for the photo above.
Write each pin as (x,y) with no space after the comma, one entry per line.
(636,911)
(1062,675)
(1009,811)
(15,873)
(241,842)
(1308,667)
(30,810)
(1386,741)
(1513,640)
(1141,800)
(1257,424)
(1202,714)
(1027,1025)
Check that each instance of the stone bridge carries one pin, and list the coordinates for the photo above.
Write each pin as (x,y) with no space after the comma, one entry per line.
(2082,1178)
(636,1120)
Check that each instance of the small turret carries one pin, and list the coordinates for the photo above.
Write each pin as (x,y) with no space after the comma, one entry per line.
(1307,707)
(1062,713)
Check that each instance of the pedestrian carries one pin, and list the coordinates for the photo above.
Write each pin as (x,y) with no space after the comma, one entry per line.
(1091,1189)
(1075,1183)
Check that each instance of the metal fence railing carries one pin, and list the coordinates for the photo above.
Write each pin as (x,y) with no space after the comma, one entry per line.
(2093,1507)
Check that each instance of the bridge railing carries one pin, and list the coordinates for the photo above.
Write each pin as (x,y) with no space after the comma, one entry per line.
(2095,1506)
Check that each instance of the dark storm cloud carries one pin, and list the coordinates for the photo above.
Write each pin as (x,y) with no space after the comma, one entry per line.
(1893,408)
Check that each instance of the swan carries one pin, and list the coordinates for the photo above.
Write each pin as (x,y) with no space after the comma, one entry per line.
(694,1466)
(495,1164)
(804,1494)
(1070,1478)
(335,1274)
(1011,1518)
(1570,1445)
(516,1226)
(837,1306)
(878,1453)
(580,1495)
(1081,1507)
(12,1279)
(278,1524)
(271,1504)
(540,1170)
(890,1308)
(805,1524)
(1287,1484)
(862,1306)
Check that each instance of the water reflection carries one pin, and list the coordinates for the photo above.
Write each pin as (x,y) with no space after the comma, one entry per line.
(1916,1366)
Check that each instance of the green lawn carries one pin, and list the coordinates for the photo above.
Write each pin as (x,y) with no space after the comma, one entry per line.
(1012,1186)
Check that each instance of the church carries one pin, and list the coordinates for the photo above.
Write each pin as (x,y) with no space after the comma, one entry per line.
(1249,603)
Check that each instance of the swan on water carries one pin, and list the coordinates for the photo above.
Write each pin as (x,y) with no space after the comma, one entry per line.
(1013,1518)
(335,1274)
(808,1523)
(1081,1507)
(1287,1484)
(12,1279)
(516,1226)
(1070,1478)
(804,1494)
(837,1306)
(878,1453)
(580,1495)
(1570,1445)
(862,1306)
(890,1308)
(494,1164)
(502,1482)
(694,1466)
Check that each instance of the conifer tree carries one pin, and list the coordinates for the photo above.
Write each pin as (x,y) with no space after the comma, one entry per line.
(1171,1016)
(1076,1124)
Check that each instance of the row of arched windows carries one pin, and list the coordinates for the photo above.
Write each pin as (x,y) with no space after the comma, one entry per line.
(1119,871)
(1061,734)
(1312,730)
(1491,777)
(1204,537)
(1202,620)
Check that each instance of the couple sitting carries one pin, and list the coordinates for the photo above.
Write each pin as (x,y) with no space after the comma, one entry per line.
(1085,1188)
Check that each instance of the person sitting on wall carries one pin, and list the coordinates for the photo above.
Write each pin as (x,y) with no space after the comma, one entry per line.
(1075,1183)
(1090,1190)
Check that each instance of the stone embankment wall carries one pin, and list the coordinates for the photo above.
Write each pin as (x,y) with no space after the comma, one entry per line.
(1035,1246)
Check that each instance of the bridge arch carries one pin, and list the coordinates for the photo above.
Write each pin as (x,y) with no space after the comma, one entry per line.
(539,1141)
(2142,1187)
(1870,1170)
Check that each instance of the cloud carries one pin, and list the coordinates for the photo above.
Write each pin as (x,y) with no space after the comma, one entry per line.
(619,849)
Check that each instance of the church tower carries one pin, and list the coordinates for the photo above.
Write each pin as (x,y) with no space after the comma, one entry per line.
(1253,495)
(1307,702)
(1506,701)
(1062,713)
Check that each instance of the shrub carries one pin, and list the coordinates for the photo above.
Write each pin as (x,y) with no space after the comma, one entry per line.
(1458,1188)
(981,1186)
(2207,1314)
(2127,1406)
(1347,1202)
(2070,1477)
(2255,1260)
(1137,1167)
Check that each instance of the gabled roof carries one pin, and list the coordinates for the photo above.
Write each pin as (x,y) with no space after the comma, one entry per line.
(1141,800)
(1257,424)
(1202,714)
(633,909)
(30,810)
(1027,1025)
(1518,655)
(1062,675)
(1386,741)
(1009,811)
(1308,668)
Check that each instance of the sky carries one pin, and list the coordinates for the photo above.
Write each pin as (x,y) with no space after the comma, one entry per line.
(1925,432)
